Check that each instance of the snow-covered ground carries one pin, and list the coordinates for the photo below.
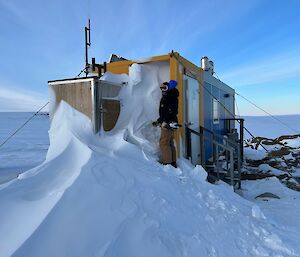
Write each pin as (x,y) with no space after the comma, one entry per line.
(108,196)
(266,126)
(27,148)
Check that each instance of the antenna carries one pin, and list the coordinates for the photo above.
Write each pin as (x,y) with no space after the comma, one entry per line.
(100,68)
(87,32)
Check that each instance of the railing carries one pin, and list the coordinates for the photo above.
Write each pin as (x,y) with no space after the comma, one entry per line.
(231,149)
(241,139)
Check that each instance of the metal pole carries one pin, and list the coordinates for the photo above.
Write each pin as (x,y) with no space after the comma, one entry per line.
(216,147)
(188,142)
(86,51)
(105,67)
(89,37)
(100,88)
(87,34)
(242,139)
(231,169)
(202,149)
(239,167)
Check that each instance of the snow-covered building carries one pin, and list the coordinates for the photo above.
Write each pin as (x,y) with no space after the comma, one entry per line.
(206,104)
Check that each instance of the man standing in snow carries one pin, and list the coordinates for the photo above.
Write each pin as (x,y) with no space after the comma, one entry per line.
(168,110)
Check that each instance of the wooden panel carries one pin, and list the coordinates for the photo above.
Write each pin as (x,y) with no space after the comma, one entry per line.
(78,95)
(111,114)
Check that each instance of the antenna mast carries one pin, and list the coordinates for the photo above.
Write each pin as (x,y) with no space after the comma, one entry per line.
(94,67)
(87,31)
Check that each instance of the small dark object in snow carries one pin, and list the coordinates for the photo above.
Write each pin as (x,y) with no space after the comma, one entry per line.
(211,179)
(267,195)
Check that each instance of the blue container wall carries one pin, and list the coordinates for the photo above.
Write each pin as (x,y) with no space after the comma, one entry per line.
(217,128)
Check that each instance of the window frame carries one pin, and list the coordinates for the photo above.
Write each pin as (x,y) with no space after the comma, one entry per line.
(215,111)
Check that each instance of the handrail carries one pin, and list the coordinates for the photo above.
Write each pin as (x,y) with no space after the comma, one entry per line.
(234,119)
(219,136)
(216,145)
(212,140)
(241,138)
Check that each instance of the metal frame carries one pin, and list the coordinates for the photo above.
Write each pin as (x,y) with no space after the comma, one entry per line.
(99,97)
(241,139)
(94,89)
(87,34)
(71,80)
(231,147)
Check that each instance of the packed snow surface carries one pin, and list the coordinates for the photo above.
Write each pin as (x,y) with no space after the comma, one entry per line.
(106,195)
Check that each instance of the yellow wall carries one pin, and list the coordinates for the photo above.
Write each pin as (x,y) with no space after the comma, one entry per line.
(123,66)
(119,67)
(176,75)
(198,74)
(176,61)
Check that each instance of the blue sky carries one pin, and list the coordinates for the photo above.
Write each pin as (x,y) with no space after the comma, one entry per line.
(255,44)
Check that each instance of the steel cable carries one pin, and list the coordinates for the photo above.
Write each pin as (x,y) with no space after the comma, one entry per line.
(18,129)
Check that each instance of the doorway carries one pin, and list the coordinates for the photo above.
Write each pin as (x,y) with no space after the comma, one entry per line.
(192,117)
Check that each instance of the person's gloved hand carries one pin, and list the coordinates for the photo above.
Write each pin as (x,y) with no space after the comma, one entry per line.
(174,125)
(155,123)
(165,125)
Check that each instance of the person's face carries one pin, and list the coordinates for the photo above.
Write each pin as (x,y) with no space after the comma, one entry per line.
(164,87)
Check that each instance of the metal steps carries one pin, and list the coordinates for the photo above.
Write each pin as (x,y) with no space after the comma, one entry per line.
(215,174)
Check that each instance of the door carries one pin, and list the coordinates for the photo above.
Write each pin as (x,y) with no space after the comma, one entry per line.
(192,96)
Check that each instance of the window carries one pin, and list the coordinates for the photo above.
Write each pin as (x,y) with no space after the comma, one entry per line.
(216,112)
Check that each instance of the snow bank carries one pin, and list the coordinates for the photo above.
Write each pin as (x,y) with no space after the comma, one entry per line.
(283,212)
(140,102)
(26,201)
(254,154)
(265,168)
(108,196)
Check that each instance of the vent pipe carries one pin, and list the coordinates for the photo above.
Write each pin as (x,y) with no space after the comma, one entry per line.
(211,64)
(207,65)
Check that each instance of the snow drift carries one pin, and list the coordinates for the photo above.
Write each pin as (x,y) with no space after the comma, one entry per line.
(106,195)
